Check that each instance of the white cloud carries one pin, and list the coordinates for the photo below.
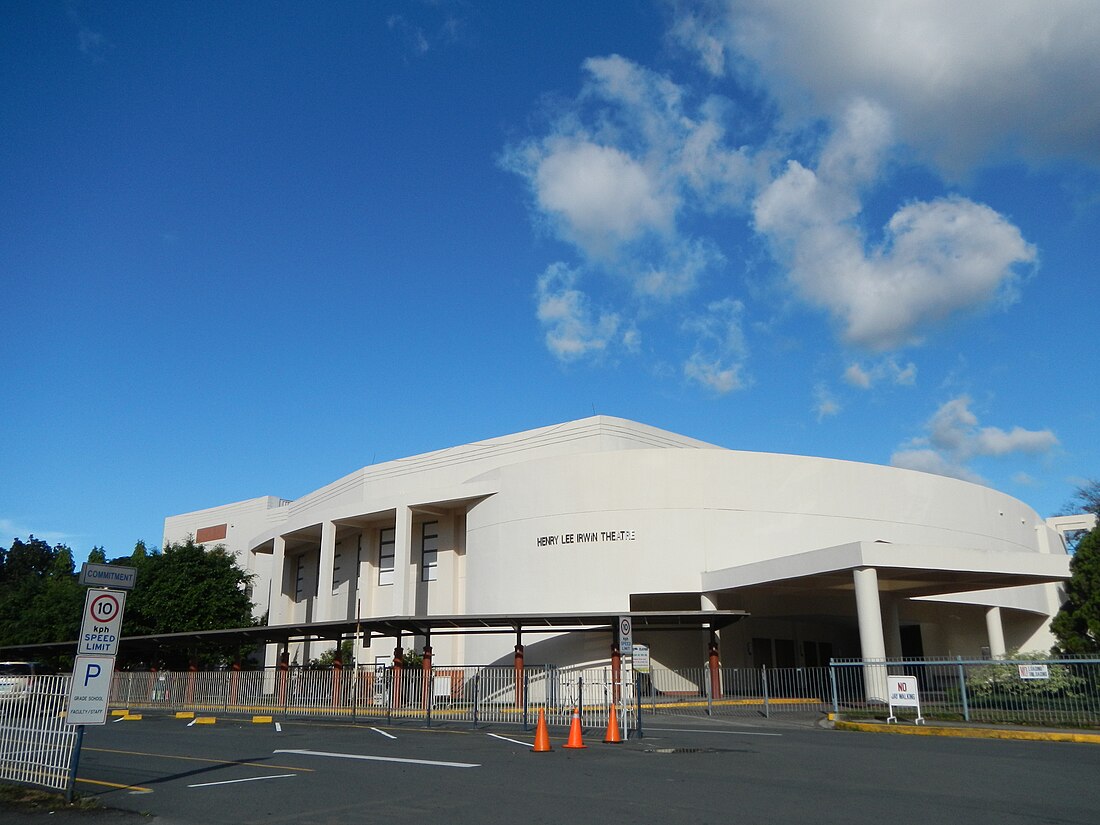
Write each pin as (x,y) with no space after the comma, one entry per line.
(858,377)
(601,196)
(955,437)
(11,530)
(621,168)
(937,258)
(717,361)
(963,79)
(573,330)
(825,405)
(885,369)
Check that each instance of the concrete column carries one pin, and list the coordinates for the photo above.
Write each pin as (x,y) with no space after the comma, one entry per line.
(323,612)
(871,642)
(996,632)
(893,629)
(402,559)
(277,609)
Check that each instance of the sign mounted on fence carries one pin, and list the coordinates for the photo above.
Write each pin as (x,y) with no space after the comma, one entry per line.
(641,658)
(1034,671)
(101,626)
(903,693)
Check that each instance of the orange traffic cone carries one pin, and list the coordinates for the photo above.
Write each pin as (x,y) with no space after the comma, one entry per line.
(613,737)
(575,740)
(542,735)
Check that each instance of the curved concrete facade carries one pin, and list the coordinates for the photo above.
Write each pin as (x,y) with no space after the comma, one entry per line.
(605,514)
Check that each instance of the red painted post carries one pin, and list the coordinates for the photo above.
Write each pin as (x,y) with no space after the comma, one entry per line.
(337,677)
(234,681)
(616,672)
(395,686)
(519,675)
(426,667)
(715,668)
(192,669)
(284,668)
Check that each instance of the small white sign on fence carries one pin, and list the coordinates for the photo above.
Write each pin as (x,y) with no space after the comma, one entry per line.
(1034,671)
(904,693)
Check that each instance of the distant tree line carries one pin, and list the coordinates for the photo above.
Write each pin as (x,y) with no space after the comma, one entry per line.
(185,586)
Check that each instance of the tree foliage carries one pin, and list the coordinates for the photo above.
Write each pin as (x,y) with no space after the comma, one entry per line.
(1077,625)
(1085,500)
(40,599)
(185,587)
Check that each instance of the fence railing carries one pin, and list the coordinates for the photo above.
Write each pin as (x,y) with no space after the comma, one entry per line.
(36,746)
(1055,692)
(458,693)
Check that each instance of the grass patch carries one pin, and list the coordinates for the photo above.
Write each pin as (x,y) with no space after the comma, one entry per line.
(35,799)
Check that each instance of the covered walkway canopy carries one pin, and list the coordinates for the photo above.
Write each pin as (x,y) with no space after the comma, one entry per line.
(400,626)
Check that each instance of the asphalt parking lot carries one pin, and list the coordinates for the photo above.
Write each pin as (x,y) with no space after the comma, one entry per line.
(238,772)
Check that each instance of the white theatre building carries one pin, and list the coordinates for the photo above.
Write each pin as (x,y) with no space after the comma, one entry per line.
(828,558)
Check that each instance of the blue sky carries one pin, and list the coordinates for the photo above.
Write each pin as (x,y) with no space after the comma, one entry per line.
(248,248)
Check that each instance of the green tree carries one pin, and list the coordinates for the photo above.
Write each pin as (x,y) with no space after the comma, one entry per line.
(40,598)
(187,587)
(1077,625)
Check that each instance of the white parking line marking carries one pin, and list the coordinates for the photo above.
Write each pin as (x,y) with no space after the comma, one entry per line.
(506,739)
(193,721)
(234,781)
(278,727)
(387,735)
(383,759)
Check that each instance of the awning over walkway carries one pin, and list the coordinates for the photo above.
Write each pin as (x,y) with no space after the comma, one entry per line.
(905,570)
(392,626)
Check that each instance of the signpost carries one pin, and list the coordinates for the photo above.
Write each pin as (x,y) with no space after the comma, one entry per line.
(94,669)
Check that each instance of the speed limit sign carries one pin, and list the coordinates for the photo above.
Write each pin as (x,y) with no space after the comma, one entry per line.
(102,624)
(626,634)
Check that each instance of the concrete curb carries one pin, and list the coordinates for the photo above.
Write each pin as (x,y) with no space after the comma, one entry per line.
(972,733)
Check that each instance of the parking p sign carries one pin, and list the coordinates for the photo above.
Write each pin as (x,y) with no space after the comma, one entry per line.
(91,690)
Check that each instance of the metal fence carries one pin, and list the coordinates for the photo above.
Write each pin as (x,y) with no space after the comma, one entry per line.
(735,691)
(1058,692)
(36,746)
(1062,692)
(459,693)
